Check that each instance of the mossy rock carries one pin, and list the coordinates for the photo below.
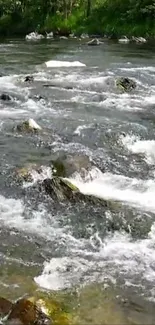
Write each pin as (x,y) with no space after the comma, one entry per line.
(67,165)
(61,189)
(125,84)
(56,311)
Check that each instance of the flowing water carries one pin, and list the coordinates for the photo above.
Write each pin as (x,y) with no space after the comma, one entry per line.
(82,112)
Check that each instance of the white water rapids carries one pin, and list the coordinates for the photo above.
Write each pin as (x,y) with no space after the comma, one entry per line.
(84,108)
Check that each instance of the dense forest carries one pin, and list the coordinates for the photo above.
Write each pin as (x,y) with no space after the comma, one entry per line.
(112,17)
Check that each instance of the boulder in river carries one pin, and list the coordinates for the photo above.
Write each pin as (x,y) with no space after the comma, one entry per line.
(34,36)
(29,78)
(60,190)
(25,312)
(67,165)
(5,97)
(94,42)
(139,39)
(29,126)
(125,84)
(49,35)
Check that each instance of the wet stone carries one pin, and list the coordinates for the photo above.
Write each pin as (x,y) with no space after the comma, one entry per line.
(24,312)
(5,306)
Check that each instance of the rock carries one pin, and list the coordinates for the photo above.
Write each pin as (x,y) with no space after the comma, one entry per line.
(124,40)
(139,39)
(5,306)
(84,36)
(25,312)
(125,84)
(29,79)
(34,36)
(62,190)
(5,97)
(49,35)
(63,37)
(25,173)
(29,126)
(66,165)
(55,309)
(72,35)
(94,41)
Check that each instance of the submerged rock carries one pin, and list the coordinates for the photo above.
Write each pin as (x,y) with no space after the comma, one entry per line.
(5,97)
(29,126)
(125,84)
(63,37)
(25,312)
(94,42)
(29,79)
(25,173)
(67,165)
(5,306)
(55,310)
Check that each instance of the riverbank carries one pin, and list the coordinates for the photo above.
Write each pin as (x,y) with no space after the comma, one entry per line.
(77,23)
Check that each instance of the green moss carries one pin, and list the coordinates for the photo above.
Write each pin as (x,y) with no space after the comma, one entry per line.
(55,309)
(70,185)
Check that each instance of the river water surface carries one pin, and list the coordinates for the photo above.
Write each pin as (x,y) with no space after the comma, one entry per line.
(82,113)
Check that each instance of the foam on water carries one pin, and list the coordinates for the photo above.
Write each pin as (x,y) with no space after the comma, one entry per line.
(8,82)
(149,69)
(118,187)
(13,213)
(138,146)
(117,254)
(122,102)
(58,64)
(44,173)
(79,129)
(150,99)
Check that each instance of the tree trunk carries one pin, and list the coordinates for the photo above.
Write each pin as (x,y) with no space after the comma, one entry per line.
(88,7)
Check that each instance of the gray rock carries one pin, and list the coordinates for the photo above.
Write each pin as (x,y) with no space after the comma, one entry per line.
(94,42)
(67,165)
(5,97)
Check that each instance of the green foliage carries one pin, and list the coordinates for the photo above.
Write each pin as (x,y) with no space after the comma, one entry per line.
(130,17)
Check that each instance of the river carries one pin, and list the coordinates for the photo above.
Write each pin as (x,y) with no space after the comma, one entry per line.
(82,113)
